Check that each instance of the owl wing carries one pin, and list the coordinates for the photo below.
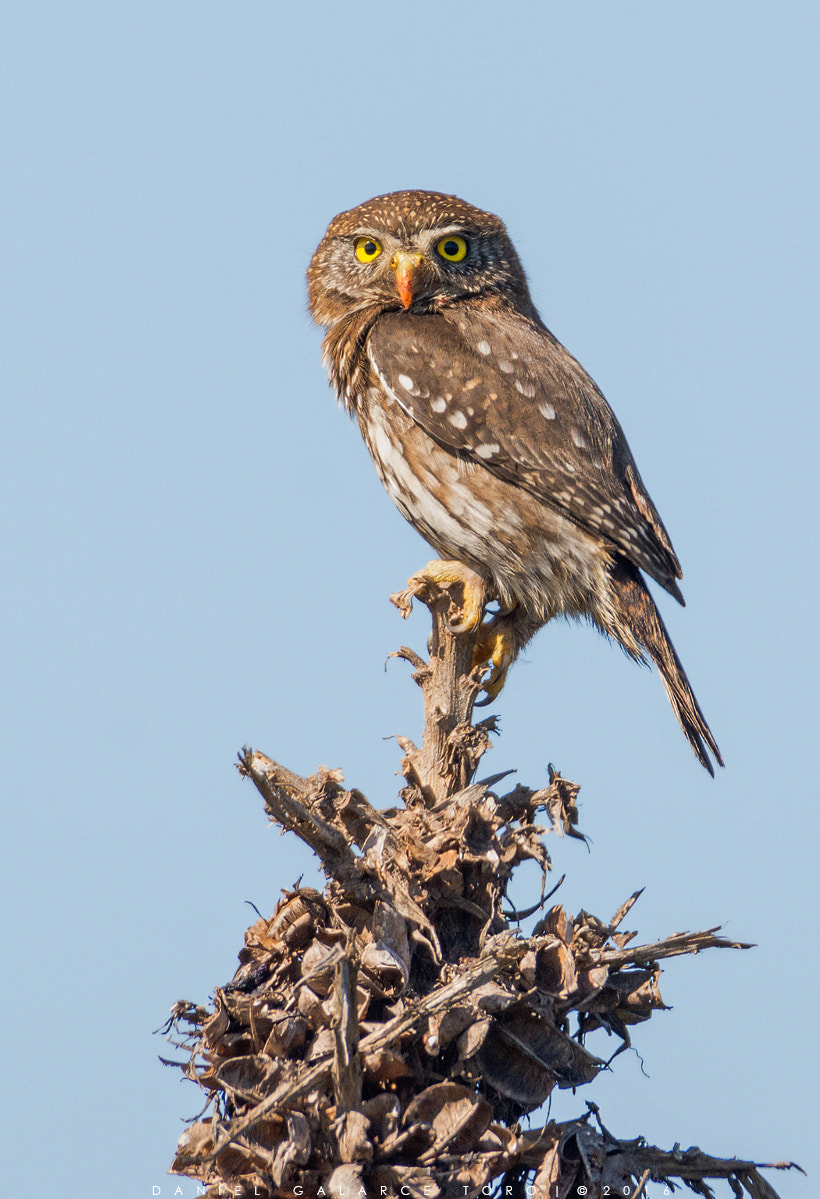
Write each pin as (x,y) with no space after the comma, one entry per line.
(500,390)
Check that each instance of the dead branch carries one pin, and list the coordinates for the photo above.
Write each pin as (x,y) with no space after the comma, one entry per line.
(388,1032)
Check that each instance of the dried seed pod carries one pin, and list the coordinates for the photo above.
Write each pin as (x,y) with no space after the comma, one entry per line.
(384,969)
(383,1112)
(195,1141)
(346,1180)
(246,1076)
(352,1132)
(363,997)
(318,965)
(444,1027)
(214,1029)
(472,1038)
(323,1044)
(556,922)
(288,1035)
(312,1007)
(297,904)
(294,1149)
(384,1067)
(492,998)
(457,1116)
(523,1056)
(551,968)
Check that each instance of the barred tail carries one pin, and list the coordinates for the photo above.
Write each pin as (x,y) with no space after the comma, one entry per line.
(637,621)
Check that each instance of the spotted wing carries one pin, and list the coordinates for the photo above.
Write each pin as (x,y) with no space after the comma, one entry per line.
(501,390)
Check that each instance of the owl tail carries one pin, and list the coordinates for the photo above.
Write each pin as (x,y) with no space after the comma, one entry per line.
(637,621)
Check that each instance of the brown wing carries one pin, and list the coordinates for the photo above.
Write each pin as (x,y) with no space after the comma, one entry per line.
(500,389)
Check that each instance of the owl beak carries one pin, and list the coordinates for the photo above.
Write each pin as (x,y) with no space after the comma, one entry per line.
(405,265)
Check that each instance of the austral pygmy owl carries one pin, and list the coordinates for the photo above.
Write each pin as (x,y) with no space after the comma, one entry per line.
(490,438)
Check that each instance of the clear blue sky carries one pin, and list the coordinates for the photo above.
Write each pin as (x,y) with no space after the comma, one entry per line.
(198,554)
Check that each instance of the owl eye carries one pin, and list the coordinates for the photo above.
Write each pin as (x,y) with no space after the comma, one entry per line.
(367,249)
(452,248)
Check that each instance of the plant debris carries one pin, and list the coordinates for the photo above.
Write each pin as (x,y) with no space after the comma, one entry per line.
(384,1036)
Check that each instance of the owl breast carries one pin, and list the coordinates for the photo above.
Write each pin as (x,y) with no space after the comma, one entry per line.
(531,554)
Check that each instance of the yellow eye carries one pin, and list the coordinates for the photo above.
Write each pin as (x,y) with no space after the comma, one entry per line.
(452,248)
(367,249)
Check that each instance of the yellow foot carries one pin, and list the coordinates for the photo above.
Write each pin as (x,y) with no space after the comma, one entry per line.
(495,645)
(438,576)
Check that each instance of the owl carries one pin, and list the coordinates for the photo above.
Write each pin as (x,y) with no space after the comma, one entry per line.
(490,438)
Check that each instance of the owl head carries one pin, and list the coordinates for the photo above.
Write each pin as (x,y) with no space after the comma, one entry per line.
(412,250)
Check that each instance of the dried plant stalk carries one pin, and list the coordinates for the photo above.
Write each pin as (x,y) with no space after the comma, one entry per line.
(384,1036)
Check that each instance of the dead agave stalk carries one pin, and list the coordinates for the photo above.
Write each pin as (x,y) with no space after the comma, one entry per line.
(384,1036)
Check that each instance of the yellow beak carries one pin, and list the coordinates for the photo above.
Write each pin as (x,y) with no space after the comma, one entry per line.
(404,265)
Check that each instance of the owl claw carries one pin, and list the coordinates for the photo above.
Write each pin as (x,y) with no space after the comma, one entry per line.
(495,645)
(440,575)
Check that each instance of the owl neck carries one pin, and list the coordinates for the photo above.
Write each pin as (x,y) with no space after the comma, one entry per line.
(345,356)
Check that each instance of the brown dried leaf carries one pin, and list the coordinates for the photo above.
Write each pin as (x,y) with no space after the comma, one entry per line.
(457,1116)
(473,1038)
(247,1076)
(444,1027)
(624,910)
(219,1023)
(353,811)
(324,1044)
(318,965)
(293,1151)
(268,1134)
(636,994)
(559,801)
(443,860)
(557,923)
(351,1130)
(258,941)
(554,968)
(346,1180)
(312,1007)
(384,1067)
(410,1182)
(548,1173)
(589,981)
(288,1036)
(587,1144)
(195,1141)
(513,1072)
(492,998)
(363,997)
(382,965)
(411,1143)
(383,1112)
(291,910)
(523,1056)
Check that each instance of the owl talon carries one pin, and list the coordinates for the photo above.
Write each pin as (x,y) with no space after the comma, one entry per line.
(438,576)
(495,645)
